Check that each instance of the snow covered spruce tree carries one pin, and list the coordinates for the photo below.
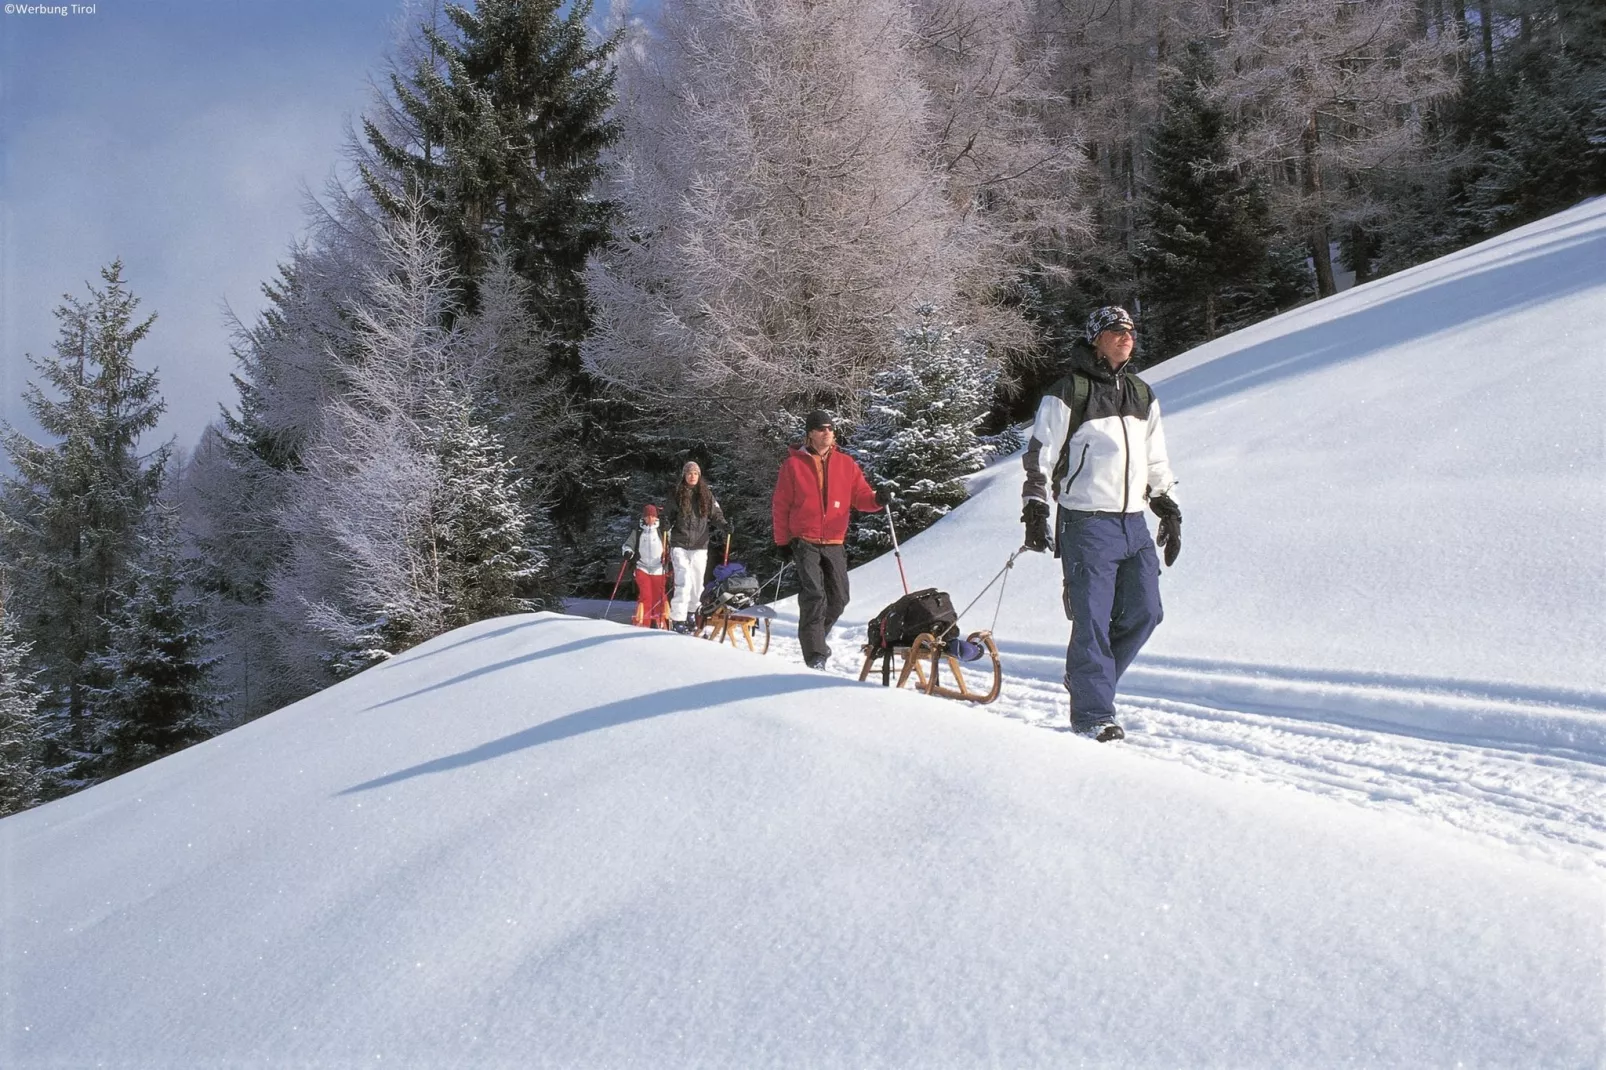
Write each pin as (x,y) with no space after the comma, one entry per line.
(22,735)
(1204,251)
(157,695)
(499,126)
(917,437)
(69,517)
(406,519)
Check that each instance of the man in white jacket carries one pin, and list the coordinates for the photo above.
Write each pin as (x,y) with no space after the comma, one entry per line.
(1097,452)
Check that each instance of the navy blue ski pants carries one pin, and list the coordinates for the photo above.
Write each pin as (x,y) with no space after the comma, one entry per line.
(1112,597)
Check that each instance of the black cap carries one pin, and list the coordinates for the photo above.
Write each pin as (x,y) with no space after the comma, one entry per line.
(819,418)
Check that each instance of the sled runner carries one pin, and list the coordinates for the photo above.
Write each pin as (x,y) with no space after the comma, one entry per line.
(923,659)
(921,632)
(725,623)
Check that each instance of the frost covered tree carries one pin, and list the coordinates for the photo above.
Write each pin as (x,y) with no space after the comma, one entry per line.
(22,733)
(69,516)
(406,519)
(1326,93)
(796,175)
(918,437)
(243,472)
(779,207)
(157,695)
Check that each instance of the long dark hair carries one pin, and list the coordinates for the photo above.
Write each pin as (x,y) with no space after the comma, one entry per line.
(683,501)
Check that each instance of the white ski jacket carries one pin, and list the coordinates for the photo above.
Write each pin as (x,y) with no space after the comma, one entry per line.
(647,543)
(1111,457)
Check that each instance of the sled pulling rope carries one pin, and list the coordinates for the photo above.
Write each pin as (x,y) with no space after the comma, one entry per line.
(1004,574)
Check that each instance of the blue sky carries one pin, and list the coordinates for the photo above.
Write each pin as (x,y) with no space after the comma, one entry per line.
(182,136)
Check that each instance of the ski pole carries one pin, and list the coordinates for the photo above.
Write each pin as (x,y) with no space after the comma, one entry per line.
(616,584)
(896,551)
(727,549)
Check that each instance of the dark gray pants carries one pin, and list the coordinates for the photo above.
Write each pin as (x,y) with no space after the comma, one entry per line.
(822,580)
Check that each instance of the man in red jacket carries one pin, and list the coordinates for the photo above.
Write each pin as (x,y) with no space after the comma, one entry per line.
(817,486)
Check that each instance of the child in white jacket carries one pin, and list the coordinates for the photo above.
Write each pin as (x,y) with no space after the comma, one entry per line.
(649,551)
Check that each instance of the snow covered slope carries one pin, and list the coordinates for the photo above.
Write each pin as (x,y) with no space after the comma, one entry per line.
(1351,823)
(553,841)
(1392,587)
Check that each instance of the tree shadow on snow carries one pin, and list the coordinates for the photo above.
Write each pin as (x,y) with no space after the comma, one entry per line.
(534,655)
(412,656)
(635,708)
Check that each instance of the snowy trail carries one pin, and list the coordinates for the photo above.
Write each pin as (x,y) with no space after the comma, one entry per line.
(1361,742)
(1527,766)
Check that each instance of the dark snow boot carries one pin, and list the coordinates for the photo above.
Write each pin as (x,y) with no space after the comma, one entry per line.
(1103,731)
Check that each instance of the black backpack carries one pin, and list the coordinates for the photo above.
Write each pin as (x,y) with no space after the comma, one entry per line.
(906,620)
(913,615)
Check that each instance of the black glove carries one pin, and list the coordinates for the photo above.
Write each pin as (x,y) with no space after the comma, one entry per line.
(630,555)
(785,550)
(1035,517)
(1170,537)
(883,496)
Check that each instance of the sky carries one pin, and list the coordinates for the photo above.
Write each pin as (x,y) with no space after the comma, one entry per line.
(1359,817)
(182,136)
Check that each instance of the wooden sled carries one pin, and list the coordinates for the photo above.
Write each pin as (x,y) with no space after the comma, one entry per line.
(923,659)
(724,623)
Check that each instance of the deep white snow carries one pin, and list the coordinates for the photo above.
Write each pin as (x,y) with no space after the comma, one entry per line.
(1360,817)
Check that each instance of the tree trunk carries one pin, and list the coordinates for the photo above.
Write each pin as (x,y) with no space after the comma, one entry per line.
(1486,24)
(1210,315)
(1321,251)
(1321,254)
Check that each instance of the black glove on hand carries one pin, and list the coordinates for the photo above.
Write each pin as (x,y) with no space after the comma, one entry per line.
(630,555)
(883,496)
(1035,517)
(1170,537)
(785,550)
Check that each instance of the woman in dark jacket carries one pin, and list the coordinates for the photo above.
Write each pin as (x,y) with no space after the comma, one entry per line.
(694,516)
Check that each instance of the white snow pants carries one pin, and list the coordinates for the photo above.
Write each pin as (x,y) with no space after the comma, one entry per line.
(689,568)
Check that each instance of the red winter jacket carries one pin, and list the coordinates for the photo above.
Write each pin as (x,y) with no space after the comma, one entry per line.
(813,495)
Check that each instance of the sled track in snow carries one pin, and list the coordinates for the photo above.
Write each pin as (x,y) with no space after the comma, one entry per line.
(1530,772)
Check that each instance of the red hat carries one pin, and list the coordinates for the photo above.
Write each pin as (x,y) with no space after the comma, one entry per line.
(650,512)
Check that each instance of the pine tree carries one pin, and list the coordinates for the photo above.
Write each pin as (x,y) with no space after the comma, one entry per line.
(494,555)
(1543,158)
(500,128)
(157,698)
(917,437)
(69,516)
(1206,227)
(22,735)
